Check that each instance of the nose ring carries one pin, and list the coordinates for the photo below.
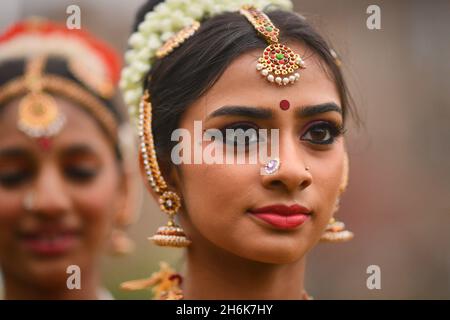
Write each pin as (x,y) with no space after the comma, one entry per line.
(271,166)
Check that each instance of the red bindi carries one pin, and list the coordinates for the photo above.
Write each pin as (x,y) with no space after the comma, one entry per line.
(45,143)
(284,104)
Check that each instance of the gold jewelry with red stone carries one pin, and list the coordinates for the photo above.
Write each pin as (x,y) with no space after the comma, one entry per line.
(39,116)
(278,64)
(176,40)
(171,234)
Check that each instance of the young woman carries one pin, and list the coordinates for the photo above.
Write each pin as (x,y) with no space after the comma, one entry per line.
(64,185)
(247,227)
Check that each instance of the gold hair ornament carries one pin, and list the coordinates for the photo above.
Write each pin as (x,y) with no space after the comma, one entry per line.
(38,111)
(171,234)
(279,63)
(177,39)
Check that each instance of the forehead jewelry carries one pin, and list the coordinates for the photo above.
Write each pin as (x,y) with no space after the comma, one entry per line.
(278,64)
(39,116)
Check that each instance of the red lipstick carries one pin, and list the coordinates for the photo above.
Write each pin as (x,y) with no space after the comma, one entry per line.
(48,242)
(282,216)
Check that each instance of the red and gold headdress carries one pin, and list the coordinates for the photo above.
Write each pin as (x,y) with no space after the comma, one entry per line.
(95,66)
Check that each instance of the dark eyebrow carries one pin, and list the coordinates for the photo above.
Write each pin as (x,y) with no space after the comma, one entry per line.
(309,111)
(243,111)
(266,113)
(14,153)
(77,150)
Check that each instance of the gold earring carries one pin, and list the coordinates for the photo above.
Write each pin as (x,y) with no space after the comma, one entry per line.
(335,230)
(170,235)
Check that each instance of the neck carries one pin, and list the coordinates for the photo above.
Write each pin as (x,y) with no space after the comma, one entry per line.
(213,273)
(18,289)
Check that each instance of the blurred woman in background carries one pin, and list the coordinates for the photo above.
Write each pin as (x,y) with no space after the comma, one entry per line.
(65,187)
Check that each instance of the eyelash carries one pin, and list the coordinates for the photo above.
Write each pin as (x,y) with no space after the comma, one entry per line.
(335,130)
(80,174)
(239,125)
(15,179)
(76,174)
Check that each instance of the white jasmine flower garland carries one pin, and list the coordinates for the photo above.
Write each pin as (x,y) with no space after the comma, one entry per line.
(159,25)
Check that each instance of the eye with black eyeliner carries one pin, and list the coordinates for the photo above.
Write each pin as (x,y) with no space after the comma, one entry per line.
(323,132)
(245,132)
(15,178)
(80,173)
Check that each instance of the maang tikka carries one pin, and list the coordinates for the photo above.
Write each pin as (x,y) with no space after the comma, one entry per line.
(279,63)
(39,116)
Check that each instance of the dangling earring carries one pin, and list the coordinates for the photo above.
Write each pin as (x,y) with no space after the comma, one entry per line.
(171,234)
(335,230)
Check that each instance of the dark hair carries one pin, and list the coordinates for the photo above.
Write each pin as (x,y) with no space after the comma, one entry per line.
(186,74)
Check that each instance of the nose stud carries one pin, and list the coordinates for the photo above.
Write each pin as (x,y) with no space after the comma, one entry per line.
(28,201)
(271,166)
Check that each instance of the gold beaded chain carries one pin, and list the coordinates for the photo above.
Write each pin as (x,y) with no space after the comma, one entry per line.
(169,201)
(177,39)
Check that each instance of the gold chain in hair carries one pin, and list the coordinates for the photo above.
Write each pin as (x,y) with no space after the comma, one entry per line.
(177,39)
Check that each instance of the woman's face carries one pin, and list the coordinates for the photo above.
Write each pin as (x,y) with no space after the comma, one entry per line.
(218,198)
(75,187)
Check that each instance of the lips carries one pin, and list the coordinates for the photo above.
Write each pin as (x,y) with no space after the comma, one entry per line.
(282,216)
(50,243)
